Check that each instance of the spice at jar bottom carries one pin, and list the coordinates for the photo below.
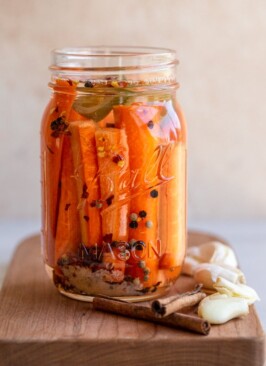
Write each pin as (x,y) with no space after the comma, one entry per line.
(113,159)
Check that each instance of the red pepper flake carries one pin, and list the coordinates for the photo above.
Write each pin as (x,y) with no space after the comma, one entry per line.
(96,203)
(117,158)
(88,84)
(67,206)
(107,238)
(85,194)
(110,125)
(86,218)
(56,109)
(122,84)
(110,199)
(70,82)
(150,124)
(59,126)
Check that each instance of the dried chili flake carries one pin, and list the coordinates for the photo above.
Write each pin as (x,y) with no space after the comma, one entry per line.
(88,84)
(108,238)
(109,200)
(117,158)
(123,84)
(70,82)
(110,125)
(96,203)
(58,126)
(85,194)
(86,218)
(67,206)
(150,124)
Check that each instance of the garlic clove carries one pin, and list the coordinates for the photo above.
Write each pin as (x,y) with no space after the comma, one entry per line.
(189,266)
(220,308)
(213,252)
(207,274)
(216,252)
(223,286)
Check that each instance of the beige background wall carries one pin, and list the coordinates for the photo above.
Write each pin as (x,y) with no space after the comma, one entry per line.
(222,49)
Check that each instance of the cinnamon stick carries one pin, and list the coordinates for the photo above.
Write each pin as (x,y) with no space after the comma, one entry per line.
(176,320)
(168,305)
(163,307)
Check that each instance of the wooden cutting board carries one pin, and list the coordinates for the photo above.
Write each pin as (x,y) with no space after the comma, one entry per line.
(38,326)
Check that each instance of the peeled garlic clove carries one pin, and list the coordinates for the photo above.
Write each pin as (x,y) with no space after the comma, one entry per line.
(189,266)
(224,286)
(207,274)
(216,252)
(220,308)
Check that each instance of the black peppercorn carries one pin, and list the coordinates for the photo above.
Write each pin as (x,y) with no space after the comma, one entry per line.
(154,193)
(142,214)
(133,224)
(150,124)
(88,84)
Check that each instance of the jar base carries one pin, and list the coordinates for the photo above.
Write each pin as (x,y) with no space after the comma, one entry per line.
(87,298)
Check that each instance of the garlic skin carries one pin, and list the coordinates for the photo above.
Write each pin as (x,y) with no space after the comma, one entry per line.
(209,252)
(213,252)
(223,286)
(208,273)
(220,308)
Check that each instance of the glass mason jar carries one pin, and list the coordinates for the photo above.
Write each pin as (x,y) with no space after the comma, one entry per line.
(113,157)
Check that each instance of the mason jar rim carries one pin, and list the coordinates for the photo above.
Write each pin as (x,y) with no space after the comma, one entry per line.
(112,57)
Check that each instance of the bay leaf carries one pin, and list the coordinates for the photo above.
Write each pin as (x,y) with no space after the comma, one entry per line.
(95,107)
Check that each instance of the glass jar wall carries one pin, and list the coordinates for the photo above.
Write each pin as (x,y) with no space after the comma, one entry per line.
(113,158)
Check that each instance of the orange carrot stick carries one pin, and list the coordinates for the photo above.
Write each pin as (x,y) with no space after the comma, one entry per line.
(67,230)
(51,150)
(173,207)
(86,170)
(112,154)
(143,134)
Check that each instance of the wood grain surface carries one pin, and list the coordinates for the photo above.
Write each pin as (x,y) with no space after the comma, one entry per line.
(38,326)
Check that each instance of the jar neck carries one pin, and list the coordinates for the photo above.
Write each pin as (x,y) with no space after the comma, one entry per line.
(115,67)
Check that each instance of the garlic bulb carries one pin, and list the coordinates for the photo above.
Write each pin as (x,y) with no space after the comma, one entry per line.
(220,308)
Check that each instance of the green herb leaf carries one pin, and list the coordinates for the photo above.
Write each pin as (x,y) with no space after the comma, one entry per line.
(95,107)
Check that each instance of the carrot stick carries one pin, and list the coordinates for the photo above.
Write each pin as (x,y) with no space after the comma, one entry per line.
(172,207)
(86,168)
(51,151)
(143,134)
(67,230)
(112,154)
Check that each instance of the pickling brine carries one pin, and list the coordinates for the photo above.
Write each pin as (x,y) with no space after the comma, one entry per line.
(113,151)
